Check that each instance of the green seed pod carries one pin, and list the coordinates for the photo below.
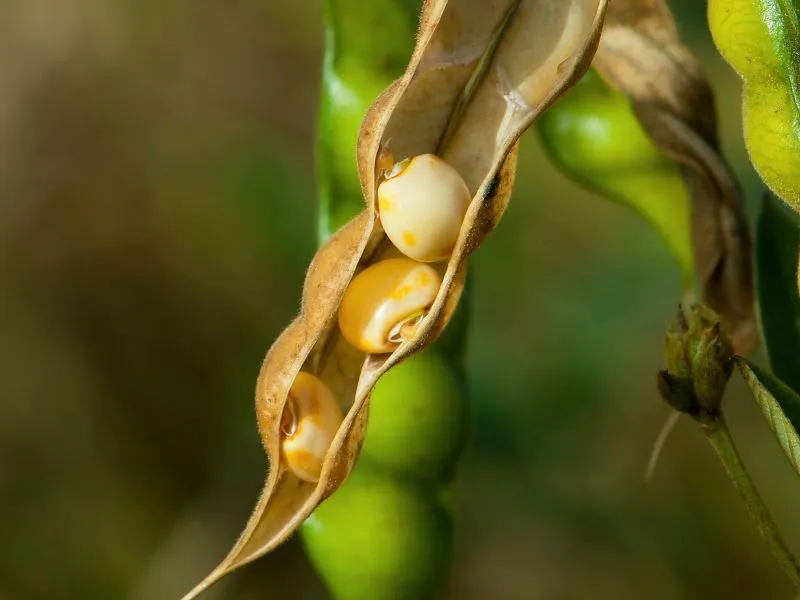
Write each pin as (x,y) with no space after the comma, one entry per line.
(418,419)
(653,88)
(380,539)
(358,66)
(594,137)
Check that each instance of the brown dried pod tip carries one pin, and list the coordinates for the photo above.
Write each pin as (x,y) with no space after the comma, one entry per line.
(480,73)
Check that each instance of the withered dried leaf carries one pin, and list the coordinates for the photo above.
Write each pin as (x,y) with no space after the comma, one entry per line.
(641,55)
(481,71)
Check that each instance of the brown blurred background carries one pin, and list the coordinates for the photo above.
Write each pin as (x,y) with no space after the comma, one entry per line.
(157,211)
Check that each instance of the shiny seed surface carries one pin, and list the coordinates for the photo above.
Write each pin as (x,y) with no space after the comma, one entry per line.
(422,204)
(380,307)
(308,425)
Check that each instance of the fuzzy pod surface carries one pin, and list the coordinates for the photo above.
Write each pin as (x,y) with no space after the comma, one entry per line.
(479,74)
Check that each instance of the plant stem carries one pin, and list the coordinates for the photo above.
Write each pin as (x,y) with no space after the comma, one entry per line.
(719,436)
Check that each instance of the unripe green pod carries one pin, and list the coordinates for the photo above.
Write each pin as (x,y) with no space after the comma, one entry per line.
(593,135)
(643,130)
(357,67)
(380,539)
(419,419)
(761,41)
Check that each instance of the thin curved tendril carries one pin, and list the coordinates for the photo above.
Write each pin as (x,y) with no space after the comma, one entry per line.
(658,446)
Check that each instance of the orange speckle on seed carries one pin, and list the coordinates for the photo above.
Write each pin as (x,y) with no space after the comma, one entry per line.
(305,461)
(409,238)
(401,292)
(424,279)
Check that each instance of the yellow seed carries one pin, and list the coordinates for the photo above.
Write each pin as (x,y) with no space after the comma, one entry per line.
(385,303)
(309,423)
(422,203)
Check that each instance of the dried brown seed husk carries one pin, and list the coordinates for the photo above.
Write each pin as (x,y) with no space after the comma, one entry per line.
(481,71)
(641,55)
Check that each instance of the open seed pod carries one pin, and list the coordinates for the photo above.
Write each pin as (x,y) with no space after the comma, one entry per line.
(641,55)
(479,75)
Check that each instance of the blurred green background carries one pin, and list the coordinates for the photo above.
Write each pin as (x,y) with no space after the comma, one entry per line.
(157,212)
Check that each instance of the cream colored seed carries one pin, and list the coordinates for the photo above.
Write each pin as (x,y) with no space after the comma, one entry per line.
(385,303)
(422,203)
(310,420)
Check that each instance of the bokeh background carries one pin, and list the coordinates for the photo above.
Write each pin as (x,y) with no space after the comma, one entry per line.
(157,212)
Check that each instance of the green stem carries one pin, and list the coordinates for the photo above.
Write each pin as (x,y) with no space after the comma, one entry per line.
(719,436)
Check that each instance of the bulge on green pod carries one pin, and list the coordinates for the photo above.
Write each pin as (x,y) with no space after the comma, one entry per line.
(419,420)
(385,303)
(380,538)
(310,420)
(594,137)
(422,202)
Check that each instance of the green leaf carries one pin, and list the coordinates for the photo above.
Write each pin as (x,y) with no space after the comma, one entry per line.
(760,39)
(776,260)
(780,406)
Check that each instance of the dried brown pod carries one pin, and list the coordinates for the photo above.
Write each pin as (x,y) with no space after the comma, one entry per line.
(641,55)
(480,73)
